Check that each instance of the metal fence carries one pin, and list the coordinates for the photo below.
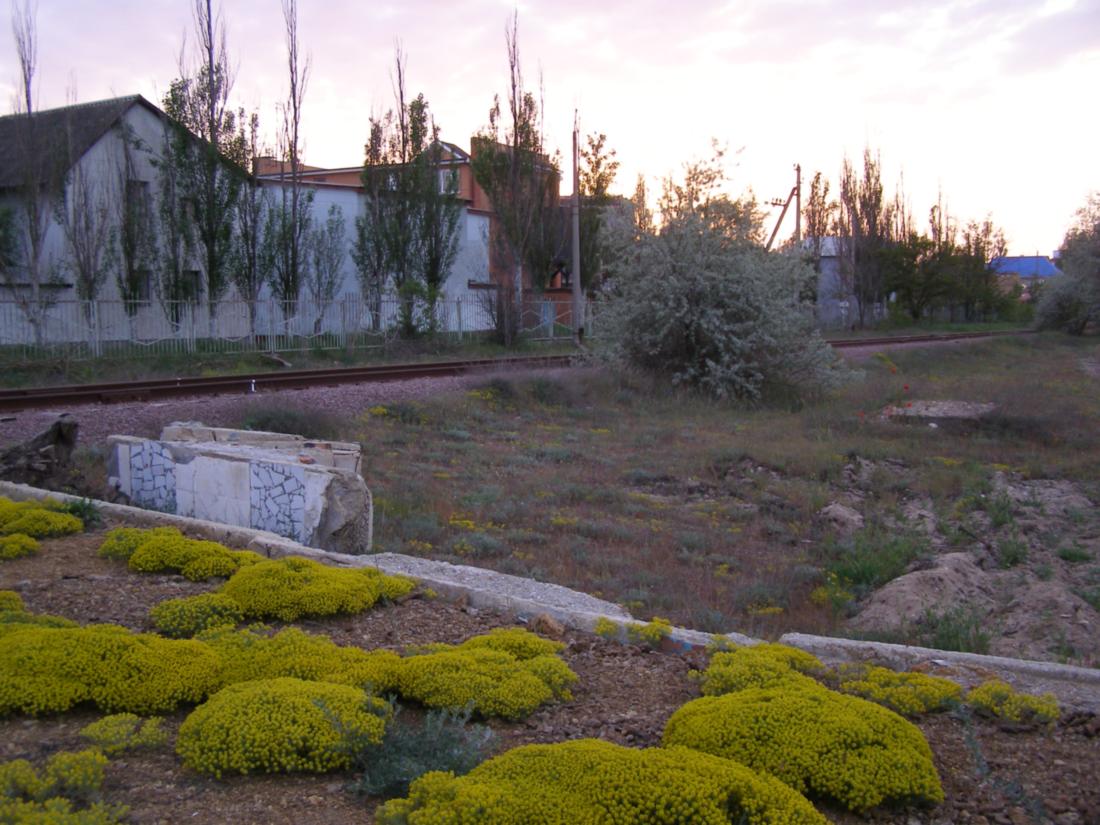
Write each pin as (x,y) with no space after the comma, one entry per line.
(79,330)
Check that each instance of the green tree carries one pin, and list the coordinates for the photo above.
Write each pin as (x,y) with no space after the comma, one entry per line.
(597,173)
(818,216)
(209,173)
(862,230)
(1071,301)
(511,164)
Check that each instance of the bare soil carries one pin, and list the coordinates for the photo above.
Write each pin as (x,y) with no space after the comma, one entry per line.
(992,773)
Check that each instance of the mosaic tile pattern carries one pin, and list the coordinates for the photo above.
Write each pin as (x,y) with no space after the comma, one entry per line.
(153,477)
(278,499)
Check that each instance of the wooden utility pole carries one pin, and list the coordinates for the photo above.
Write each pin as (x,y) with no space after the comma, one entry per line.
(796,196)
(578,298)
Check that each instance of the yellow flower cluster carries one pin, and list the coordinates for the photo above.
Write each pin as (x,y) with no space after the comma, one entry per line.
(607,629)
(275,725)
(38,519)
(58,811)
(48,670)
(996,698)
(291,588)
(197,560)
(76,774)
(907,693)
(188,616)
(121,732)
(505,673)
(121,542)
(249,654)
(818,741)
(17,545)
(33,519)
(758,666)
(649,633)
(593,781)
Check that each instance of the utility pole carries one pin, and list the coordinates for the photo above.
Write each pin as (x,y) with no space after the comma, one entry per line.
(796,196)
(578,300)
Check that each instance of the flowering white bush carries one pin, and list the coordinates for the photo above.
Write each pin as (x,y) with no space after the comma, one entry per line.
(715,312)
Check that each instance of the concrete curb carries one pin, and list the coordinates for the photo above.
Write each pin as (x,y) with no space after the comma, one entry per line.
(1074,687)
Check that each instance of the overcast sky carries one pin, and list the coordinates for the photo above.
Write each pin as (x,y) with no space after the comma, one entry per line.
(993,101)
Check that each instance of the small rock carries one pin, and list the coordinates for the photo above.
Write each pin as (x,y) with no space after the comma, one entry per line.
(547,625)
(844,518)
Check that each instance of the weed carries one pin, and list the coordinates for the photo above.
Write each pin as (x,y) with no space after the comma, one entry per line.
(440,740)
(1074,554)
(85,510)
(1011,552)
(870,558)
(274,417)
(999,508)
(960,628)
(1044,572)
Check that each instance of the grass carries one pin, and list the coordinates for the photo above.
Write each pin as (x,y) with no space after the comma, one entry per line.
(675,505)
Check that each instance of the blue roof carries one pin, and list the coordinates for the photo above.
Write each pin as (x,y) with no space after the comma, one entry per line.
(1026,266)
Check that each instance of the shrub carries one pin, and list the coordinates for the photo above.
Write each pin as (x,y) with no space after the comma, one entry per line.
(514,640)
(13,510)
(84,509)
(48,670)
(17,545)
(248,655)
(442,740)
(12,621)
(191,615)
(819,742)
(42,524)
(291,588)
(718,316)
(276,725)
(764,665)
(10,600)
(960,628)
(58,811)
(649,633)
(484,674)
(870,559)
(121,542)
(121,732)
(593,781)
(909,694)
(195,559)
(74,774)
(996,698)
(607,629)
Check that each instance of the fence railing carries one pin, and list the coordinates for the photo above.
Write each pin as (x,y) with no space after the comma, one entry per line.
(80,330)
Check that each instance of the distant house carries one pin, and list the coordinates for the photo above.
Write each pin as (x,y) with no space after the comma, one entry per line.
(1028,268)
(90,136)
(1024,271)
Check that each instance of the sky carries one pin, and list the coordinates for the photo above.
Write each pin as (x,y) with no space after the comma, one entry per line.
(991,102)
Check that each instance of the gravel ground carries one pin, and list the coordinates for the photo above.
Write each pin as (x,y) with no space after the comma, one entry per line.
(145,419)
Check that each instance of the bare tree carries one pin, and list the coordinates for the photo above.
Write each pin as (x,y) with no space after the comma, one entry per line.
(251,262)
(328,247)
(84,213)
(291,218)
(26,269)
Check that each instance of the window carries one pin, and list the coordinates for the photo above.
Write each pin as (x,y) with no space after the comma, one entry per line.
(448,181)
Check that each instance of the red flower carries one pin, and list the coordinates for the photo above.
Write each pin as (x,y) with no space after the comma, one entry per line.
(906,388)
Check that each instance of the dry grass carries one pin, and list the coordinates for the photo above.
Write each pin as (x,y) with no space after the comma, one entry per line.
(705,513)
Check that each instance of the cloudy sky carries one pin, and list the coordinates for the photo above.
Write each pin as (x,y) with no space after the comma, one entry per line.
(994,102)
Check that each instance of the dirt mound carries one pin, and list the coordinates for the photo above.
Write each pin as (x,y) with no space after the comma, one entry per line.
(955,581)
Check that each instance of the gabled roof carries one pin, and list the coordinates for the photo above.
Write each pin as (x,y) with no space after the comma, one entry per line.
(1025,266)
(67,132)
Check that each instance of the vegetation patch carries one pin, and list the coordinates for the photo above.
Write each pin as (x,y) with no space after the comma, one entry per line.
(292,588)
(191,615)
(121,732)
(594,781)
(62,792)
(758,666)
(909,694)
(999,699)
(17,545)
(818,741)
(277,725)
(36,519)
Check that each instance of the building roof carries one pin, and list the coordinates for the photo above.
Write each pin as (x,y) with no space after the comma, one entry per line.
(1025,266)
(68,133)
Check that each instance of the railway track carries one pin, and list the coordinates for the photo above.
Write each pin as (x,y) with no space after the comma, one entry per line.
(37,397)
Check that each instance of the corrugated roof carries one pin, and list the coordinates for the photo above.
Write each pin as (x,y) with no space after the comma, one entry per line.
(65,133)
(1025,266)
